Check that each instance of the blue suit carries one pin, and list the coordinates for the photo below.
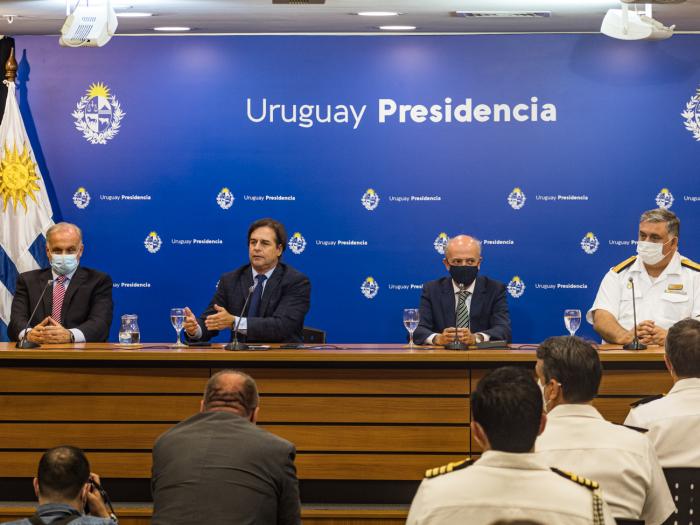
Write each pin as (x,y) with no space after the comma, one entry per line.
(488,312)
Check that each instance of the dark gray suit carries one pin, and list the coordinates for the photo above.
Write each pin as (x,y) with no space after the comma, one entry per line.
(219,468)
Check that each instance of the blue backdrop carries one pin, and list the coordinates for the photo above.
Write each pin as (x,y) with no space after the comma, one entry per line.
(532,190)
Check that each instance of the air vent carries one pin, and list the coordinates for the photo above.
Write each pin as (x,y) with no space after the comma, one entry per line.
(299,2)
(502,14)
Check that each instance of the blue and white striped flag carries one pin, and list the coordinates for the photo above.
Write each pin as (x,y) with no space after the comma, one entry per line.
(25,210)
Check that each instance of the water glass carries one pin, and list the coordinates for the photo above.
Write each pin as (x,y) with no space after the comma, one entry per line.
(572,320)
(177,319)
(129,333)
(410,321)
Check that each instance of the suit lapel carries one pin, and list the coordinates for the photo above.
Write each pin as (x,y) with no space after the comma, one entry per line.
(478,298)
(246,281)
(270,288)
(47,301)
(447,301)
(77,281)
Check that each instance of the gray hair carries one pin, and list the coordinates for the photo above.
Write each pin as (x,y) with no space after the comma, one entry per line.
(64,226)
(673,223)
(218,394)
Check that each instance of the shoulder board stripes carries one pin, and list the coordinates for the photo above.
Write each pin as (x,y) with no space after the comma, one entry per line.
(638,429)
(588,483)
(646,400)
(690,264)
(450,467)
(624,264)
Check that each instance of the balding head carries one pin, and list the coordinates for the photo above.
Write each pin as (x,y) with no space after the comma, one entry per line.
(231,391)
(463,250)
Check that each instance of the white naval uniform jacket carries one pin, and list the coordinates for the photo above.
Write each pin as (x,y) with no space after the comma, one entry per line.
(578,439)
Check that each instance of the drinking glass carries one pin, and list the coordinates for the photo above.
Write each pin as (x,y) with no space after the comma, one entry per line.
(129,333)
(572,320)
(410,321)
(177,318)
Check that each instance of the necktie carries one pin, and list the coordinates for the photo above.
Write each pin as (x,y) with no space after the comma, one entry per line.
(59,292)
(462,310)
(253,309)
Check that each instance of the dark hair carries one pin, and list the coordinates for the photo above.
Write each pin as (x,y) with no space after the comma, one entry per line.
(277,227)
(574,363)
(507,403)
(62,473)
(219,394)
(683,347)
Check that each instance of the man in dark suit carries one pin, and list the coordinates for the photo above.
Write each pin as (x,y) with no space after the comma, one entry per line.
(77,307)
(278,303)
(475,308)
(219,467)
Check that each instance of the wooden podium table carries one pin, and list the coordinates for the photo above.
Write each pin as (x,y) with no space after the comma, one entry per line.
(374,416)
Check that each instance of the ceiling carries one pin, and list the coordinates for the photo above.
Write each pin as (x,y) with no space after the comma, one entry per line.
(45,17)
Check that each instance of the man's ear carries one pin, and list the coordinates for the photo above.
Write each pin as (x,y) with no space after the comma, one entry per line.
(543,423)
(254,415)
(35,482)
(480,436)
(201,405)
(669,366)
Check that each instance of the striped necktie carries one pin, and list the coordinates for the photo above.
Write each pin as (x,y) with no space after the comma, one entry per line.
(59,292)
(462,310)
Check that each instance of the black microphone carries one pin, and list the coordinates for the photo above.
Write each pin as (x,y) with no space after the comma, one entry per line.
(235,344)
(456,344)
(635,344)
(24,342)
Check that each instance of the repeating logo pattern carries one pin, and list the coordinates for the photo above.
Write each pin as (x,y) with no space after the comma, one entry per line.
(81,198)
(297,243)
(370,200)
(440,243)
(664,199)
(692,115)
(516,287)
(369,288)
(590,243)
(225,199)
(516,198)
(153,242)
(98,114)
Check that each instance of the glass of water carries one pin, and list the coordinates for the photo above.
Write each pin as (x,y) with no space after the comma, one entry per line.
(177,318)
(572,320)
(410,321)
(129,333)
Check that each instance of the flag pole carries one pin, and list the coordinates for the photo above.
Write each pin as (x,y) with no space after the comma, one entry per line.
(11,66)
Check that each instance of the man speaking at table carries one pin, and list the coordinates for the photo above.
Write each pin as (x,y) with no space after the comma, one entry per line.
(475,307)
(278,302)
(77,301)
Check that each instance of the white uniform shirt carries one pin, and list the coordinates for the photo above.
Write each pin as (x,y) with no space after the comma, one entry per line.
(672,296)
(502,485)
(578,439)
(674,424)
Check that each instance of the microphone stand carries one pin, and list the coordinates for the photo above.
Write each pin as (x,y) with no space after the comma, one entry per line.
(235,345)
(635,344)
(456,344)
(24,343)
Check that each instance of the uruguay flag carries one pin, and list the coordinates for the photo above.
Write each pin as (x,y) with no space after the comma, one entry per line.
(25,210)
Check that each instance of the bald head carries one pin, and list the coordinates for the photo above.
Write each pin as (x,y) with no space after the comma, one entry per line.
(231,391)
(463,250)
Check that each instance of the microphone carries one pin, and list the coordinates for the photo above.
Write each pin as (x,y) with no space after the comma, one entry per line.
(235,344)
(456,344)
(23,342)
(635,344)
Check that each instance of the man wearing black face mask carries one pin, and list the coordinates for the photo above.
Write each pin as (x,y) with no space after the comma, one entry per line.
(474,307)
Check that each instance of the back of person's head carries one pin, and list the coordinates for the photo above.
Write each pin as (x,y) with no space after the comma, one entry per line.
(63,471)
(683,347)
(231,390)
(574,363)
(507,404)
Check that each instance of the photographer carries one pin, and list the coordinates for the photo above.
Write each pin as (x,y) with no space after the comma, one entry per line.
(65,488)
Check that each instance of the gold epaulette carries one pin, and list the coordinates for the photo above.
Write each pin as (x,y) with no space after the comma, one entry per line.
(624,264)
(690,264)
(646,400)
(450,467)
(588,483)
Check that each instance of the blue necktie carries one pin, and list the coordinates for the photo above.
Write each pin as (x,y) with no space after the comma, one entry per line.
(254,307)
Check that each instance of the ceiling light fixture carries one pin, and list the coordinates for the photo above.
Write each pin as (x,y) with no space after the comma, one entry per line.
(378,13)
(133,14)
(397,28)
(171,28)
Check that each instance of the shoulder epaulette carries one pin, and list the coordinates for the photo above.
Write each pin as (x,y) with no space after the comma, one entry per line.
(624,264)
(646,400)
(638,429)
(690,264)
(588,483)
(450,467)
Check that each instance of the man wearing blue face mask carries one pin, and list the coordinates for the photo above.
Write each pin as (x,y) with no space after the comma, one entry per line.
(465,306)
(666,286)
(77,306)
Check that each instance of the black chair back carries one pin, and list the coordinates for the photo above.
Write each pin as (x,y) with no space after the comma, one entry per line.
(685,489)
(313,336)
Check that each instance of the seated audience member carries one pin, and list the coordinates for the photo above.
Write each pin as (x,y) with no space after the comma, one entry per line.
(508,481)
(673,420)
(578,439)
(65,486)
(219,467)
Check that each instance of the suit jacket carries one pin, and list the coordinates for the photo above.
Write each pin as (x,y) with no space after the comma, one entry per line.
(217,467)
(284,304)
(488,312)
(87,304)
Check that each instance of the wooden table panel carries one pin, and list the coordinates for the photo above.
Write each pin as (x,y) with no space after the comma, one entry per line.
(614,409)
(637,383)
(106,464)
(41,436)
